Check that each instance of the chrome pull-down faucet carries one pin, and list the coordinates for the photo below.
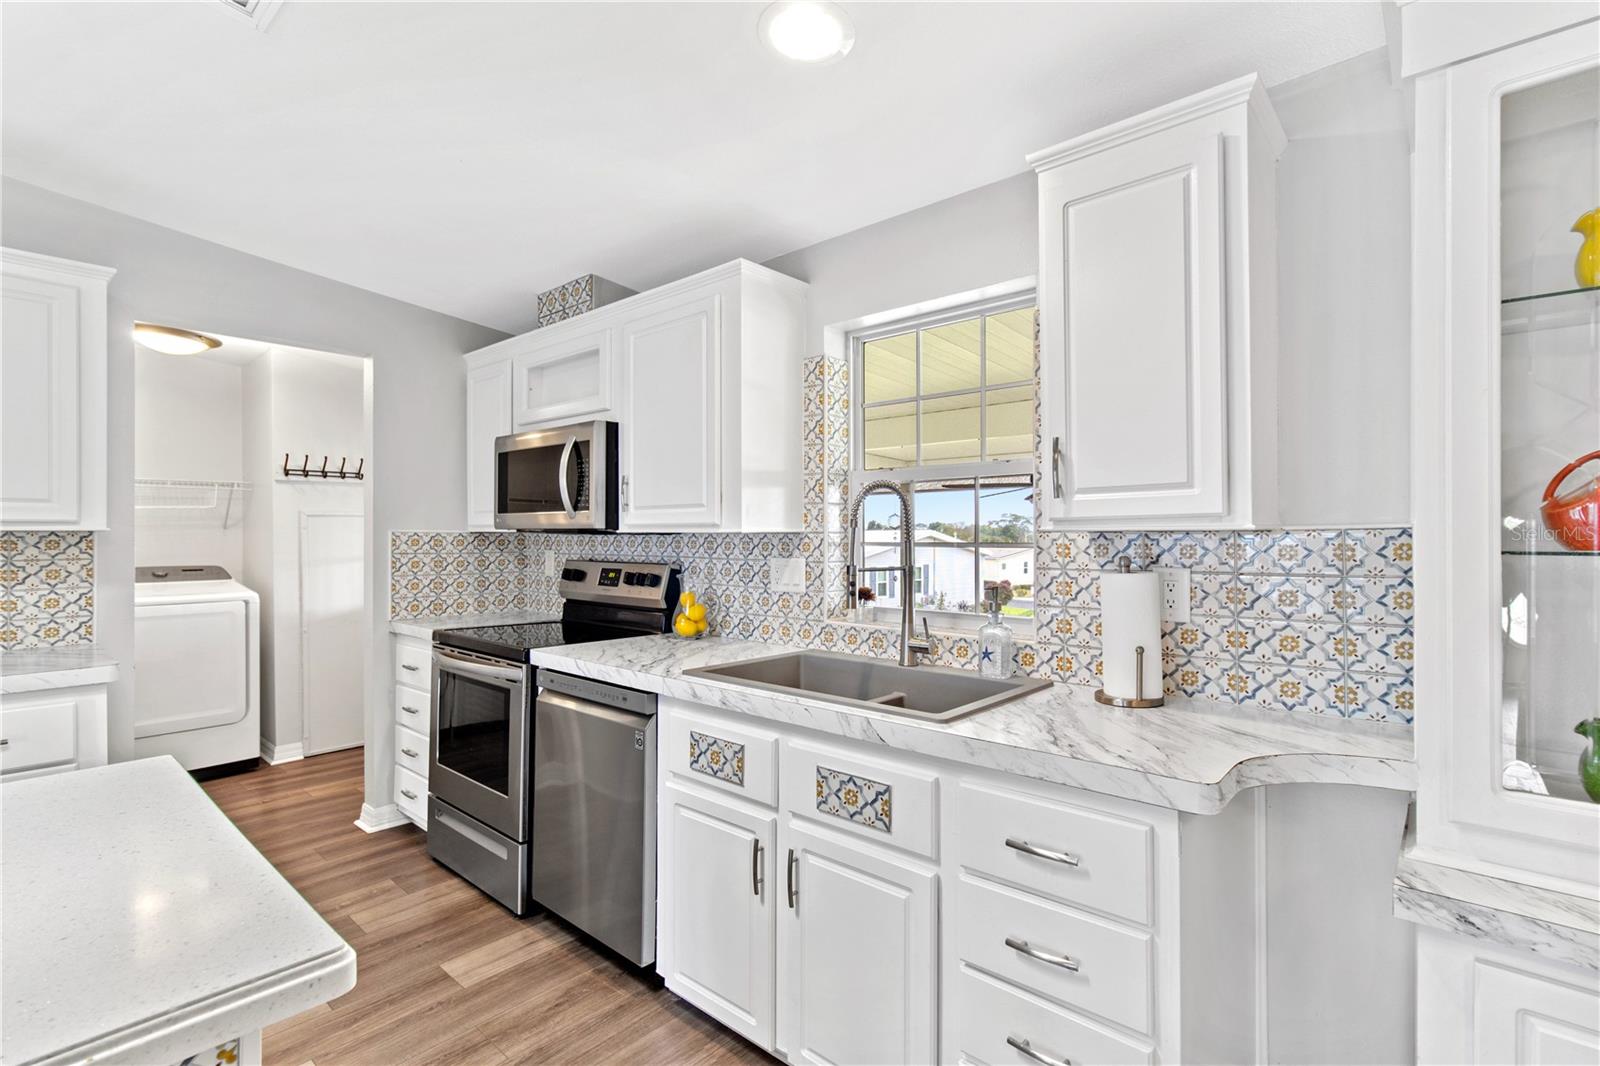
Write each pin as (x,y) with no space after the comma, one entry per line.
(910,647)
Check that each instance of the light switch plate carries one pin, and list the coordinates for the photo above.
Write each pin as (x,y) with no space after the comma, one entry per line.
(549,564)
(1174,593)
(786,574)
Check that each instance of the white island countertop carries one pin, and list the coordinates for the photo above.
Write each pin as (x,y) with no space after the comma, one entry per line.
(141,925)
(40,669)
(1190,755)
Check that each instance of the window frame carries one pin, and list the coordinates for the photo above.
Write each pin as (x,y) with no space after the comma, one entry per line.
(910,476)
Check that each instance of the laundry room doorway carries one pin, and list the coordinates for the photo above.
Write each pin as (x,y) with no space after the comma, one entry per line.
(250,461)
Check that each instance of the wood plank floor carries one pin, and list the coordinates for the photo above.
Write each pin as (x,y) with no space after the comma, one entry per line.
(444,974)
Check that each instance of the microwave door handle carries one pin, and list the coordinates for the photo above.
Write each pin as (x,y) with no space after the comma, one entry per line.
(561,477)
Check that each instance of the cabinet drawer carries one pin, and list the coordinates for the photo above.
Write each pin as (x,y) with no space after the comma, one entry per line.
(411,751)
(882,801)
(1100,861)
(411,709)
(727,756)
(411,795)
(413,663)
(988,1012)
(38,734)
(1112,978)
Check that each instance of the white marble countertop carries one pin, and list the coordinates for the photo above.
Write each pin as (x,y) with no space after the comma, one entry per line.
(422,628)
(141,925)
(37,669)
(1556,925)
(1189,755)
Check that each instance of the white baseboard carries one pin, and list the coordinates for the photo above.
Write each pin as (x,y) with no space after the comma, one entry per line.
(278,753)
(376,819)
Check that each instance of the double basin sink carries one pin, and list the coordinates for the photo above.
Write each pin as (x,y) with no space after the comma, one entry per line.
(932,693)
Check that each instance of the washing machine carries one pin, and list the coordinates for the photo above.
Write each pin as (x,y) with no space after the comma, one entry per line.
(197,667)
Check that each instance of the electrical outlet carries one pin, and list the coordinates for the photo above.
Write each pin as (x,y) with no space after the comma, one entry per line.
(549,564)
(787,574)
(1174,593)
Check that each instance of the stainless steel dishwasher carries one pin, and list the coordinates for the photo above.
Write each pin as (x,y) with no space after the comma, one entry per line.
(594,810)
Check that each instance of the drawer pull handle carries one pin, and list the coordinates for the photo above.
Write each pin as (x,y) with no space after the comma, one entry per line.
(1026,848)
(4,743)
(413,667)
(794,890)
(1037,1056)
(408,753)
(1066,962)
(408,794)
(409,710)
(755,867)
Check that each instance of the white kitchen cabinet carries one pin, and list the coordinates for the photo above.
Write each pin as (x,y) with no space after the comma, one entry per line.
(720,953)
(563,377)
(413,720)
(488,416)
(1158,327)
(52,731)
(858,952)
(52,392)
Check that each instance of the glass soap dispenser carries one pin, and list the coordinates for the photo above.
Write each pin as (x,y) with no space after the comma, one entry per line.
(995,642)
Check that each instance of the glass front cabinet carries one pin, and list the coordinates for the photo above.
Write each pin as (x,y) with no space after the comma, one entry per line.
(1506,499)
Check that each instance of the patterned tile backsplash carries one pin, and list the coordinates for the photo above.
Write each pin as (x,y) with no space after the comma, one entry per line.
(46,589)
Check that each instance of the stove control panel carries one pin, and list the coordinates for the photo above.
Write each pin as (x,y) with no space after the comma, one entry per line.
(637,584)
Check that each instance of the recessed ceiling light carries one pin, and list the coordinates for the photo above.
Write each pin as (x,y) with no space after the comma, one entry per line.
(172,341)
(808,31)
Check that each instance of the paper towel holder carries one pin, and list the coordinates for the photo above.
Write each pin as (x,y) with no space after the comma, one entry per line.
(1139,699)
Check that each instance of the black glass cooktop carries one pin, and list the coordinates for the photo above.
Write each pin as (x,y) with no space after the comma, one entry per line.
(518,641)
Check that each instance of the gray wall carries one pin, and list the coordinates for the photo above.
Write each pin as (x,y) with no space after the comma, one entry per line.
(418,398)
(1344,250)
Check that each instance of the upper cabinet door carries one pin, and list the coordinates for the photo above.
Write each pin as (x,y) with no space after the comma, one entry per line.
(488,417)
(1157,330)
(52,393)
(565,378)
(671,417)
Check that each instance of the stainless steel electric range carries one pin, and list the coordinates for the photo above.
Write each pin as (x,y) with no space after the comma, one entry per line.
(482,817)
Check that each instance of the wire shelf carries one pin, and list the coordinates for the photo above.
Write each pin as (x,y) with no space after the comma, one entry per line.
(189,502)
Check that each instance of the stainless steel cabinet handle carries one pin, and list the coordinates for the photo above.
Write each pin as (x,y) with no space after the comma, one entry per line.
(1037,1056)
(1026,848)
(409,710)
(413,667)
(1066,962)
(408,753)
(408,794)
(625,491)
(755,867)
(4,743)
(794,890)
(1055,465)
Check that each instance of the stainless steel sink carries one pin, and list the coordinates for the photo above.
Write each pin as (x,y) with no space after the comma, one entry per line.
(935,693)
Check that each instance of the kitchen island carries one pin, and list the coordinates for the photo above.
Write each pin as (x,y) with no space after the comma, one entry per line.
(141,926)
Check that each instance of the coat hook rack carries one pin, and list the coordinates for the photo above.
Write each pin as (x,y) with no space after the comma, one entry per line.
(306,470)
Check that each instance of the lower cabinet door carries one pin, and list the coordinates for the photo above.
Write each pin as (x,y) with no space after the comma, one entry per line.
(717,935)
(858,953)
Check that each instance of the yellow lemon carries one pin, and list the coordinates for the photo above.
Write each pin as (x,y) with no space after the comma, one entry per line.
(687,600)
(702,626)
(684,626)
(696,611)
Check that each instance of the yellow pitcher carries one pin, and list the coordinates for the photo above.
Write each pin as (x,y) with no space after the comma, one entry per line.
(1587,268)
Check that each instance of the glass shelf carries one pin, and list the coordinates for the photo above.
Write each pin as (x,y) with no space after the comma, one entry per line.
(1591,290)
(1559,309)
(1554,552)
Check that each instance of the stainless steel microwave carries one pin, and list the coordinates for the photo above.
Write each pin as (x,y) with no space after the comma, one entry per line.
(561,478)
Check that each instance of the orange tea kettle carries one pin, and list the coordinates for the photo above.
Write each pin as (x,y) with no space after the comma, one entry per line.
(1575,517)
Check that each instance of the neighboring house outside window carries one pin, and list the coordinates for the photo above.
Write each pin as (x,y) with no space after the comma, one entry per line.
(944,403)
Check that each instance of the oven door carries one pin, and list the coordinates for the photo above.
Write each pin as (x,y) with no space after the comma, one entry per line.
(562,478)
(478,758)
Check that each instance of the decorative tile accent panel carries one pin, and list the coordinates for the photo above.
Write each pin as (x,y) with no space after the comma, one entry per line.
(437,574)
(715,757)
(46,589)
(575,298)
(855,799)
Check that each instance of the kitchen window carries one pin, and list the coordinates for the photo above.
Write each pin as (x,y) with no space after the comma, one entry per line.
(944,404)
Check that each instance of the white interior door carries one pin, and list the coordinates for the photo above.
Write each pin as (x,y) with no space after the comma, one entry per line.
(331,600)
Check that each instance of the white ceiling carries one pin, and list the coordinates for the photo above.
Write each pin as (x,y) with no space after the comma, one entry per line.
(463,156)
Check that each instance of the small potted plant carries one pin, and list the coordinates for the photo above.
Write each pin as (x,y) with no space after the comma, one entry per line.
(861,612)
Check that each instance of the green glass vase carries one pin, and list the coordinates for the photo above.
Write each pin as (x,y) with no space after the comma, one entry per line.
(1589,761)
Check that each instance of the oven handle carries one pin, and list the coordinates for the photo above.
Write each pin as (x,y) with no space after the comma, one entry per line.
(456,664)
(561,477)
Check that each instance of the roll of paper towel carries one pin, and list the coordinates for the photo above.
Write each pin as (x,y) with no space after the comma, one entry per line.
(1130,618)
